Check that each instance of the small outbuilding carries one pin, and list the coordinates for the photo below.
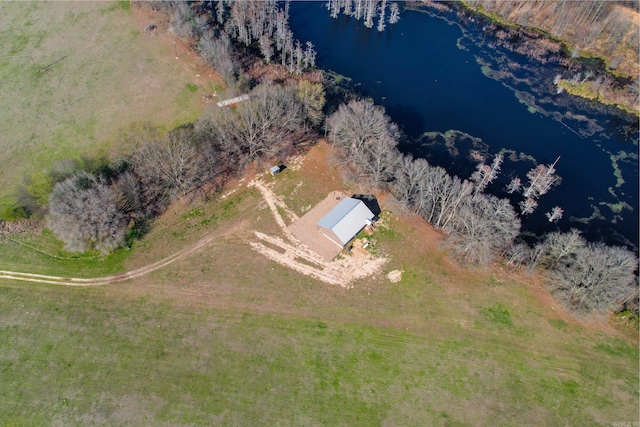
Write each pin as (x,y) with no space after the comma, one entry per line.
(275,170)
(345,221)
(332,224)
(371,202)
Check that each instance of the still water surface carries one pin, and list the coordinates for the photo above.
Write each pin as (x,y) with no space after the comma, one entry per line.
(426,70)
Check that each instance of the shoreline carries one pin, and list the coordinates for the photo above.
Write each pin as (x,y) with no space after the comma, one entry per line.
(619,77)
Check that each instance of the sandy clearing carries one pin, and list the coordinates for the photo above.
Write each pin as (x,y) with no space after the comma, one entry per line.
(342,272)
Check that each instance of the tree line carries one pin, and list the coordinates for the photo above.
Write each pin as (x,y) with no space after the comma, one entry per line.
(97,204)
(481,228)
(218,29)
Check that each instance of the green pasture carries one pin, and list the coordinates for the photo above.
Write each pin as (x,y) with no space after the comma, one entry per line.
(74,74)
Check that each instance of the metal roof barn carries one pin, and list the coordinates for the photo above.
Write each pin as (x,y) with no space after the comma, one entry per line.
(347,219)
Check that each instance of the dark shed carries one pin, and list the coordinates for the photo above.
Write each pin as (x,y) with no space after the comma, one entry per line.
(371,202)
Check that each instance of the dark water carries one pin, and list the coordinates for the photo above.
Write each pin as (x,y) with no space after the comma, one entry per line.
(428,73)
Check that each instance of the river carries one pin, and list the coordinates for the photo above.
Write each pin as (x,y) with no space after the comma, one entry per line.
(434,74)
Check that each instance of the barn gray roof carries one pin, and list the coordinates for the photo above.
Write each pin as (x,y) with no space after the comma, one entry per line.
(347,219)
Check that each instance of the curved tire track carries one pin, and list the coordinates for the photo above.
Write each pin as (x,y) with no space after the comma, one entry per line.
(107,280)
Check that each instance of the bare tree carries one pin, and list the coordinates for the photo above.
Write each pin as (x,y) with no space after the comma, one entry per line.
(595,278)
(218,52)
(376,164)
(408,186)
(448,193)
(166,168)
(83,213)
(383,9)
(218,130)
(486,174)
(220,12)
(266,48)
(356,124)
(183,18)
(267,121)
(309,55)
(519,254)
(541,179)
(367,138)
(528,205)
(261,126)
(370,12)
(313,97)
(429,190)
(482,228)
(394,13)
(128,195)
(555,214)
(514,186)
(558,247)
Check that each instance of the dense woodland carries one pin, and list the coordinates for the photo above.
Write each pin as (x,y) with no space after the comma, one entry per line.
(105,204)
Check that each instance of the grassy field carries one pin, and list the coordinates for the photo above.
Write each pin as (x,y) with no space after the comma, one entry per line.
(103,73)
(227,337)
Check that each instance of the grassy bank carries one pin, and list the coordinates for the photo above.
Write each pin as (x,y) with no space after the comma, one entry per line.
(591,90)
(227,337)
(75,73)
(619,59)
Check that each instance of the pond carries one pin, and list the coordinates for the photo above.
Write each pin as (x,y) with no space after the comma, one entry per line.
(455,92)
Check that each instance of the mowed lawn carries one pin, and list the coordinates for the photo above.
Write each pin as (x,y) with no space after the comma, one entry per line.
(227,337)
(104,72)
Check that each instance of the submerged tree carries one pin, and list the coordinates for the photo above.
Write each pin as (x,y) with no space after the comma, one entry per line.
(367,10)
(486,174)
(555,214)
(264,23)
(541,179)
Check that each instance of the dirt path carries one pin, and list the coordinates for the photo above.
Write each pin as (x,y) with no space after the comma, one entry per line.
(299,257)
(107,280)
(292,254)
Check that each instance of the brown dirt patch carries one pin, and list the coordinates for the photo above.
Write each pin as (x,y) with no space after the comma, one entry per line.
(341,272)
(306,230)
